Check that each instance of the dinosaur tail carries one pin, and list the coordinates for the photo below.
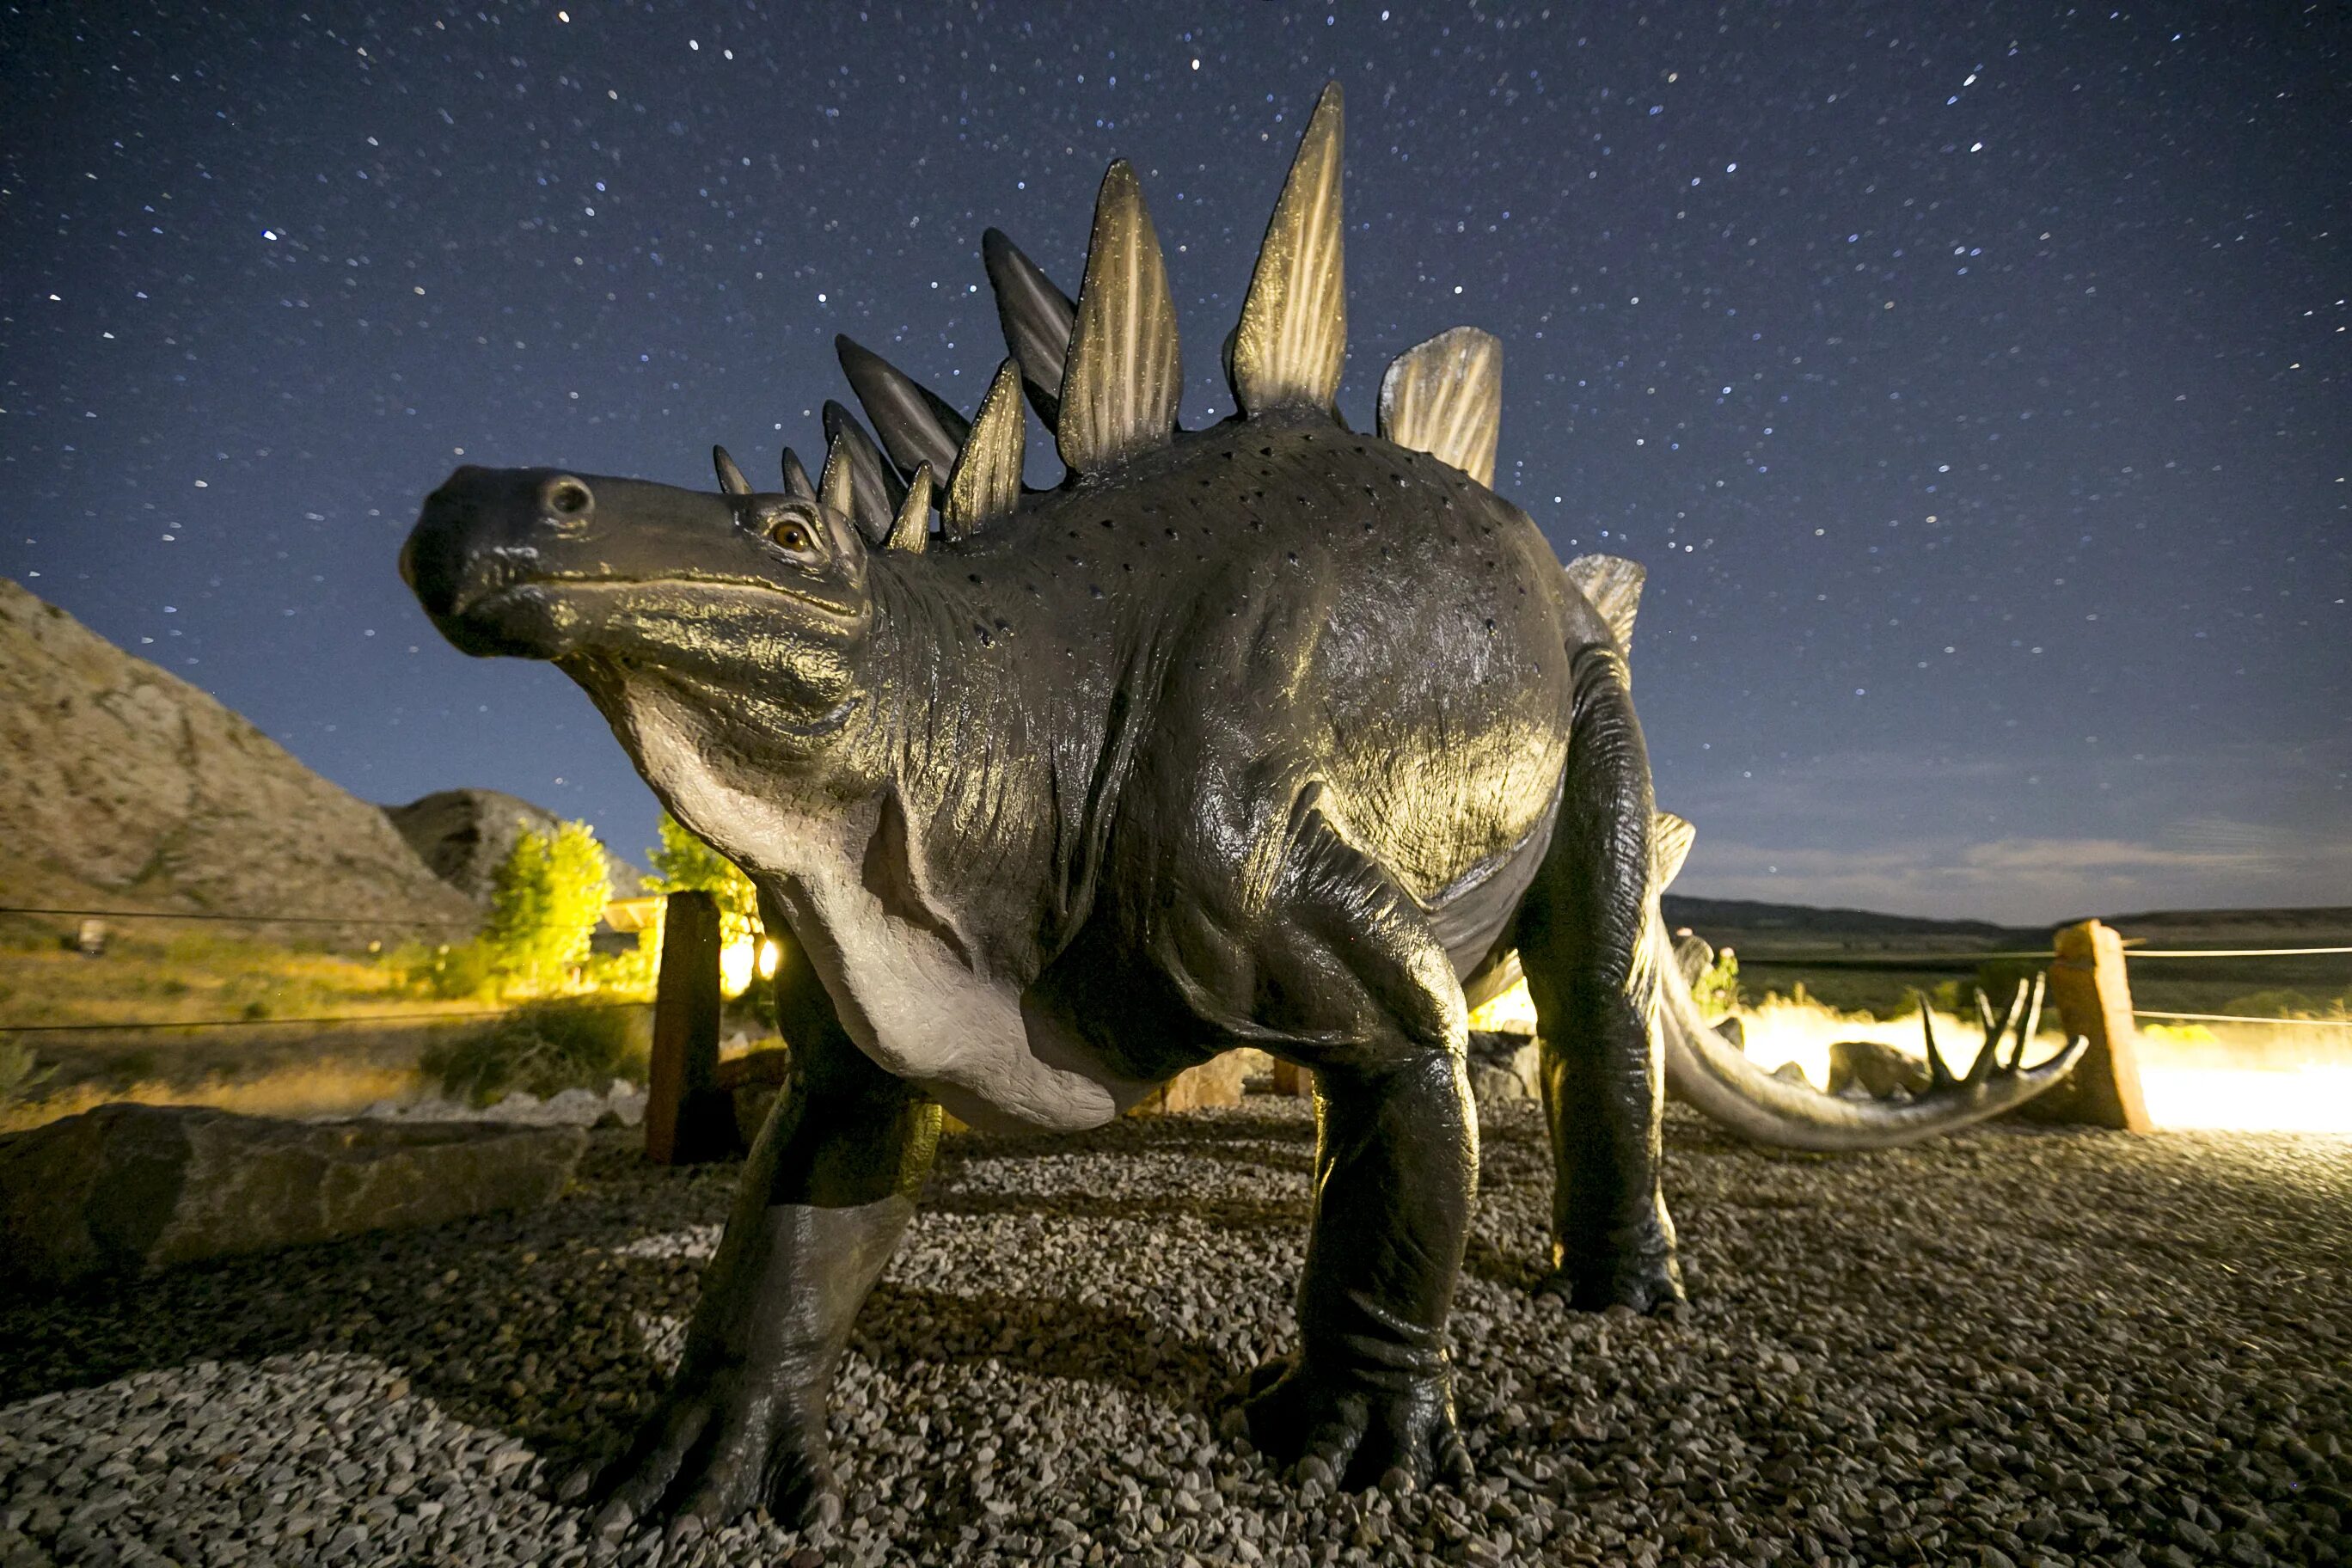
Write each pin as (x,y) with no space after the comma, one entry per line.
(1710,1073)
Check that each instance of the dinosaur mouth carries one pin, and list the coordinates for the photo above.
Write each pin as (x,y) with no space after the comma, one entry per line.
(493,599)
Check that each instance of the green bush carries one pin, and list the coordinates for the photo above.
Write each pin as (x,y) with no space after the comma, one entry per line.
(1716,988)
(19,1074)
(542,1048)
(2286,1002)
(452,972)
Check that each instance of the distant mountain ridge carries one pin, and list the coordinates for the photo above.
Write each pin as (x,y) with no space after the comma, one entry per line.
(120,780)
(1802,925)
(1799,924)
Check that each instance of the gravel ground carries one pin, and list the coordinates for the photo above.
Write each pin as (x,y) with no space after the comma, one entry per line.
(2005,1348)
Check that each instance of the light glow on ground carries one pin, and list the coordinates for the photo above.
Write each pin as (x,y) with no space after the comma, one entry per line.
(2313,1099)
(2243,1077)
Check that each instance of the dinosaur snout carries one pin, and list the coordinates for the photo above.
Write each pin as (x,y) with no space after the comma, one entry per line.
(486,530)
(433,561)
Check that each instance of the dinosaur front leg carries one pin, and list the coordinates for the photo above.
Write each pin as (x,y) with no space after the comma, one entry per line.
(828,1190)
(1370,1391)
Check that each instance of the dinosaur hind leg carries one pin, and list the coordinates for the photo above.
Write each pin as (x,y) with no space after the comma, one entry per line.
(1332,966)
(1584,943)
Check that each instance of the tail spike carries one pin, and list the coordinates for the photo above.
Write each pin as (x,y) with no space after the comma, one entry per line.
(1670,846)
(916,427)
(1292,341)
(875,489)
(796,478)
(1123,374)
(912,531)
(2032,1022)
(1444,398)
(985,487)
(730,477)
(1036,317)
(1939,1072)
(1613,586)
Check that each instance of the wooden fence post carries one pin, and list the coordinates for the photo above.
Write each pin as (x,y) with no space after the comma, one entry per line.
(2094,999)
(689,1118)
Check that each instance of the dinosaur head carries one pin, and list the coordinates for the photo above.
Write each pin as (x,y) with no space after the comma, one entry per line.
(730,600)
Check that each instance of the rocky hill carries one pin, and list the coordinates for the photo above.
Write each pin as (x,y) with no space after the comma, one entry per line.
(466,835)
(119,778)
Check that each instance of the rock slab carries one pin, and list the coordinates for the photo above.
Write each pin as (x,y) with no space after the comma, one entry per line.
(126,1189)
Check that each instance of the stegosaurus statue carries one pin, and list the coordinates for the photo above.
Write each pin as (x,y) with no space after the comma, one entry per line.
(1270,734)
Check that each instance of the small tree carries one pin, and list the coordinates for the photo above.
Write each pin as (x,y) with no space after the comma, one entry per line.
(684,864)
(544,902)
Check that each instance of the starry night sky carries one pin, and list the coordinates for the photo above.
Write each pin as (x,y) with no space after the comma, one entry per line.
(1973,381)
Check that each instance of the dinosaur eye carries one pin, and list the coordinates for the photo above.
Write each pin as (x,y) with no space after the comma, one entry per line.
(791,534)
(569,498)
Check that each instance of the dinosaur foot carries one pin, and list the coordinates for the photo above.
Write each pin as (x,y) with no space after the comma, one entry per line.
(1348,1434)
(706,1455)
(1649,1281)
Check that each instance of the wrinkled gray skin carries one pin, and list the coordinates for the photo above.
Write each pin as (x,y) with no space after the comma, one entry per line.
(1278,735)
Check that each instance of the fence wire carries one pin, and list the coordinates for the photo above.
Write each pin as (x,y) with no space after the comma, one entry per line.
(241,920)
(2229,952)
(419,1018)
(2243,1018)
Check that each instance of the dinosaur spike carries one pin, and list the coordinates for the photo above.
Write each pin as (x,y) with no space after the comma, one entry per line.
(1036,318)
(1123,376)
(912,531)
(874,484)
(2032,1022)
(985,484)
(916,425)
(1293,337)
(1614,587)
(796,478)
(1670,844)
(836,491)
(1445,397)
(730,477)
(1939,1073)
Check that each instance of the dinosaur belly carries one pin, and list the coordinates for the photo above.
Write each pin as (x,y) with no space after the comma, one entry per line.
(910,997)
(995,1061)
(896,967)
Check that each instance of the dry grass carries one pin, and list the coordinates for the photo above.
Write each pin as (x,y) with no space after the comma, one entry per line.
(182,971)
(319,1089)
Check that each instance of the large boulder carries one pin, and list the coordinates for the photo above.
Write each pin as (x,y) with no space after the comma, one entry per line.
(1866,1068)
(466,835)
(125,1189)
(1503,1067)
(1219,1081)
(751,1082)
(123,780)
